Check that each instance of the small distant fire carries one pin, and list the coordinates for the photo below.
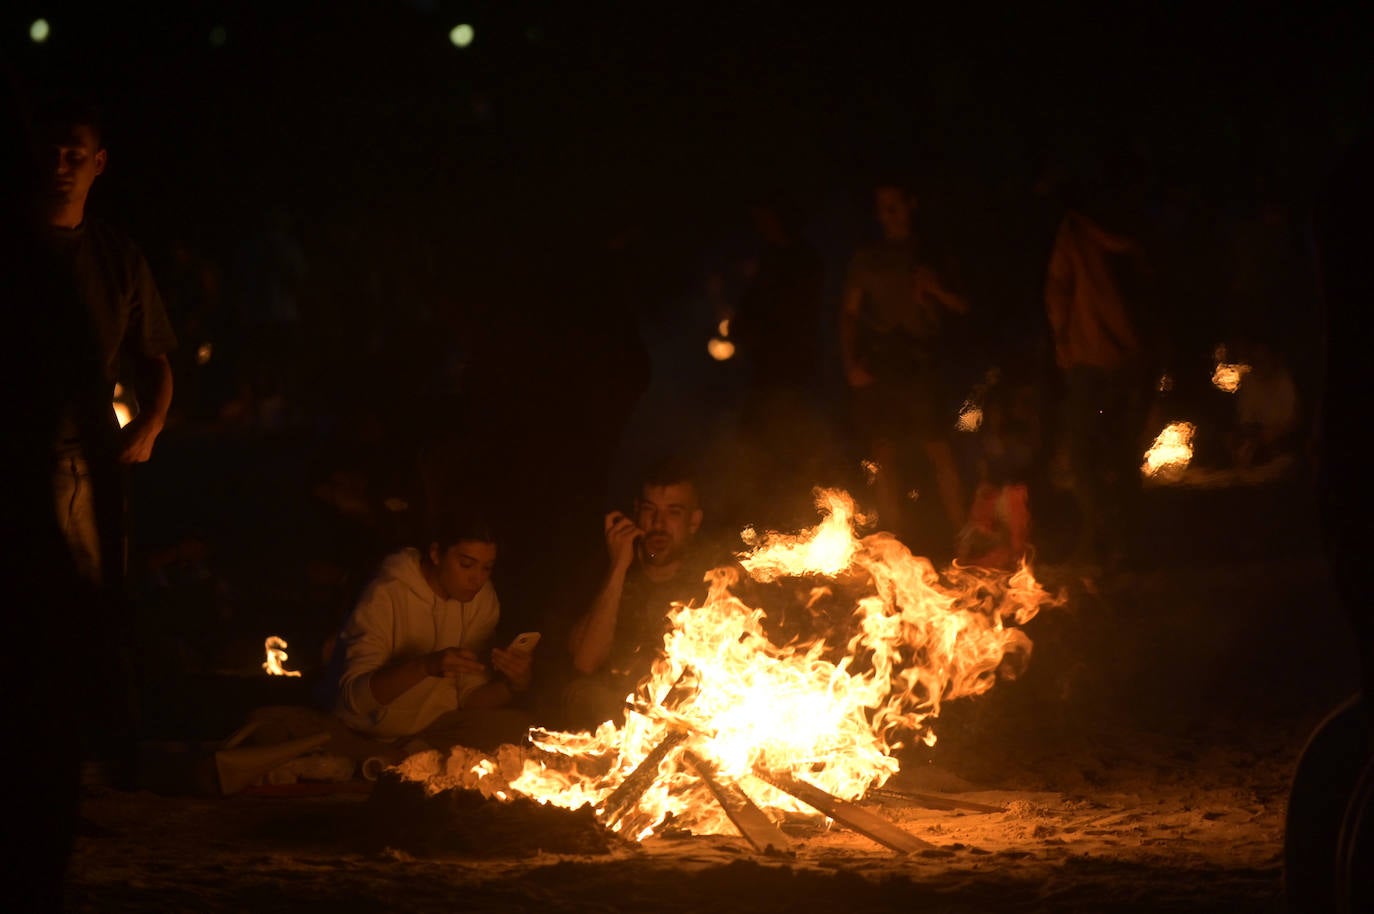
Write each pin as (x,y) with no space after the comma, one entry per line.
(970,417)
(1171,452)
(720,346)
(828,711)
(276,656)
(971,412)
(1227,376)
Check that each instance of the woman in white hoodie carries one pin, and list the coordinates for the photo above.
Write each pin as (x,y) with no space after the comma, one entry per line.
(417,663)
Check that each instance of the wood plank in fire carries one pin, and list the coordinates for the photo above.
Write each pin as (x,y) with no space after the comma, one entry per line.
(860,820)
(627,794)
(759,830)
(932,801)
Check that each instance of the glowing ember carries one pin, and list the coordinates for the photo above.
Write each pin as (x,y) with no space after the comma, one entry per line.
(871,469)
(720,349)
(970,417)
(1228,375)
(1166,383)
(1171,452)
(830,710)
(276,656)
(204,353)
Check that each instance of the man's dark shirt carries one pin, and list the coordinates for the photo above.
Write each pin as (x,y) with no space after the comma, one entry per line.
(644,605)
(125,312)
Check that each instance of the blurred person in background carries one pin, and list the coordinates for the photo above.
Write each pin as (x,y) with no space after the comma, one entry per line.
(895,300)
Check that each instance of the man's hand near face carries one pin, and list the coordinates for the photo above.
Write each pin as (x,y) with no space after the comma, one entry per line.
(621,534)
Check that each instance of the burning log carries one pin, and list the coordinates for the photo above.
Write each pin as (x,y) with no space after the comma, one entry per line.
(759,830)
(623,799)
(860,820)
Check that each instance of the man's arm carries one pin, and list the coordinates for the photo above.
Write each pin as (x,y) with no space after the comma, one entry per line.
(1059,284)
(855,371)
(929,283)
(154,389)
(594,634)
(394,680)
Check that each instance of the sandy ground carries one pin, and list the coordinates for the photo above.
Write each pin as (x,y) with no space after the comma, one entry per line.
(1142,763)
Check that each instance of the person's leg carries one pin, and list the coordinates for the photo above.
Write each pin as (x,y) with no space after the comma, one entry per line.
(281,723)
(478,728)
(590,701)
(947,481)
(1083,416)
(74,503)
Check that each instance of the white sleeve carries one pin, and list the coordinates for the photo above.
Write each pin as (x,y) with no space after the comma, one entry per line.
(368,643)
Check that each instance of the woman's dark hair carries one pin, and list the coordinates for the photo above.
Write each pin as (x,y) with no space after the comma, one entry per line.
(452,528)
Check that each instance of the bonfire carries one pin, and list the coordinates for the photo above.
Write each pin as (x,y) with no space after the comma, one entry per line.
(727,710)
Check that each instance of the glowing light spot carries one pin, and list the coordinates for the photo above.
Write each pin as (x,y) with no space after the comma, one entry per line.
(119,389)
(204,353)
(913,495)
(720,349)
(1227,375)
(1171,452)
(218,36)
(970,417)
(871,469)
(123,414)
(724,327)
(1166,383)
(39,31)
(462,35)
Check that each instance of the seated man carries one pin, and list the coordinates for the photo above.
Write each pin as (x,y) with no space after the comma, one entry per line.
(654,560)
(410,664)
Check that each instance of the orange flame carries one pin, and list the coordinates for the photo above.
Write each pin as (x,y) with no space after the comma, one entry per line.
(1227,376)
(276,656)
(1171,452)
(832,708)
(970,417)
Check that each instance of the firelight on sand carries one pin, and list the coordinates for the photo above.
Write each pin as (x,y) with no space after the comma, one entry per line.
(830,708)
(276,656)
(1171,452)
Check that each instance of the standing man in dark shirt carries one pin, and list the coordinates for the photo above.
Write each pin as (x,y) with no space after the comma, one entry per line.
(654,560)
(128,326)
(118,333)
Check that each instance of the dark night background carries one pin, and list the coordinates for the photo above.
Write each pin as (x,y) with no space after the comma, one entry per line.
(507,245)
